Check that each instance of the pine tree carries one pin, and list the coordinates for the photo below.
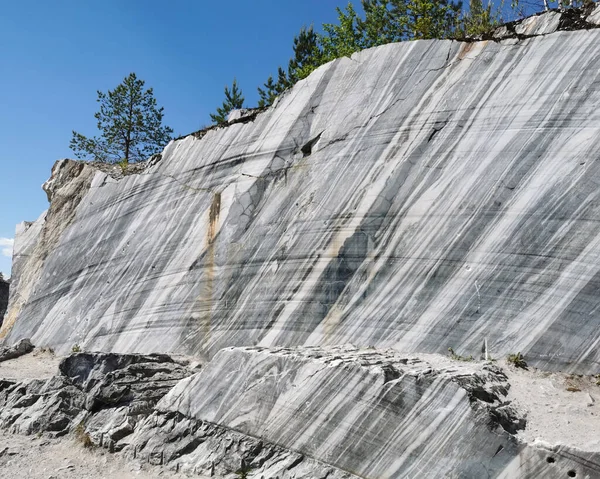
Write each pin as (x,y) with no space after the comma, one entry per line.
(233,101)
(384,21)
(380,25)
(479,20)
(268,93)
(274,89)
(130,126)
(306,58)
(344,38)
(306,55)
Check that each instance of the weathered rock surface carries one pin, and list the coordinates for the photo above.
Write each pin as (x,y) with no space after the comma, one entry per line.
(109,400)
(376,414)
(373,413)
(22,347)
(334,412)
(417,196)
(87,383)
(114,380)
(193,446)
(4,288)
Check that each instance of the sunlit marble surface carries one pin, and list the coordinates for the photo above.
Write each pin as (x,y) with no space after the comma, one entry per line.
(417,196)
(375,414)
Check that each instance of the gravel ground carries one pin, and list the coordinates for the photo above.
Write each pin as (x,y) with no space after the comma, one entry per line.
(40,364)
(561,408)
(42,458)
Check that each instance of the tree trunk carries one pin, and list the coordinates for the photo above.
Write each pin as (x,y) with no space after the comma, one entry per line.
(127,150)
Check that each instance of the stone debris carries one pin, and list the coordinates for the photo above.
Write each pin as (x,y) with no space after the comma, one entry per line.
(22,347)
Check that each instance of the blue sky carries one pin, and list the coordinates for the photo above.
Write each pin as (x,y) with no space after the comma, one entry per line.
(55,55)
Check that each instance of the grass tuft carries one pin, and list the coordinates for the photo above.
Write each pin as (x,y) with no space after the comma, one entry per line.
(517,360)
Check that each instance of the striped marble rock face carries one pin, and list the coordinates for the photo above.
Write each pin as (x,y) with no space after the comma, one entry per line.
(373,413)
(418,196)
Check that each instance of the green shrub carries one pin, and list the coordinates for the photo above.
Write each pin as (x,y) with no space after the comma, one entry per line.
(124,163)
(458,357)
(517,360)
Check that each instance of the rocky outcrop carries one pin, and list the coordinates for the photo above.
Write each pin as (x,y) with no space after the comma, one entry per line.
(68,184)
(108,400)
(110,380)
(335,412)
(4,288)
(374,413)
(16,350)
(545,23)
(88,383)
(419,196)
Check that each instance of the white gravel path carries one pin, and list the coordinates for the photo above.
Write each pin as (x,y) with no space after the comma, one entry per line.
(42,458)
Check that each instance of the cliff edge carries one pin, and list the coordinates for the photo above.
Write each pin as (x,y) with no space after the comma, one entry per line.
(419,196)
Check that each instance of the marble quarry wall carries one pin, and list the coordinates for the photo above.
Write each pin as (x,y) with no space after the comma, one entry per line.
(419,195)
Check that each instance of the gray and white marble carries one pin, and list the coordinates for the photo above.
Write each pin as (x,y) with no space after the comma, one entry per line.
(108,400)
(418,196)
(373,413)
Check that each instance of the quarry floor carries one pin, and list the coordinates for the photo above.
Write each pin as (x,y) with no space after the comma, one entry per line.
(561,408)
(43,458)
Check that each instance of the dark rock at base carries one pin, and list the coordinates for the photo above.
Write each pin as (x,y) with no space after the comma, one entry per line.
(115,380)
(36,406)
(24,346)
(188,445)
(128,385)
(4,289)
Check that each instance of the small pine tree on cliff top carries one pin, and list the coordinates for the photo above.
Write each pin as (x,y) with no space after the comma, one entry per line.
(130,125)
(234,100)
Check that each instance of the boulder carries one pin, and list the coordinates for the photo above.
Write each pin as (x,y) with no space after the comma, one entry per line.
(22,347)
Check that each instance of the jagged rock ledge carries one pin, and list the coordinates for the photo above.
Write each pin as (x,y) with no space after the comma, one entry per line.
(336,413)
(373,413)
